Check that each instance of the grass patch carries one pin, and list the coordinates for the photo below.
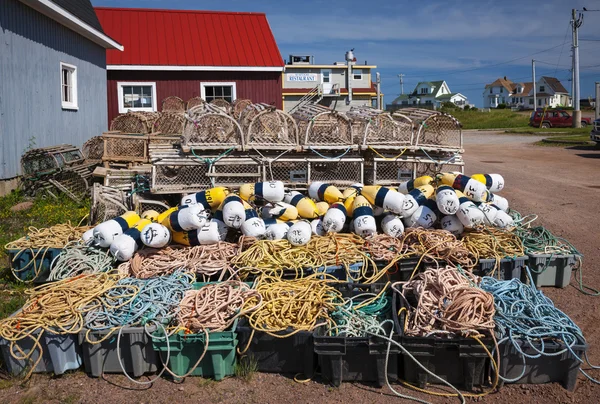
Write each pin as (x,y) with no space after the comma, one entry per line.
(245,368)
(70,399)
(5,384)
(205,382)
(551,131)
(496,118)
(565,141)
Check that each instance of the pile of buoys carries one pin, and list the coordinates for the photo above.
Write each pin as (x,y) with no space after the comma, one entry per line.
(266,210)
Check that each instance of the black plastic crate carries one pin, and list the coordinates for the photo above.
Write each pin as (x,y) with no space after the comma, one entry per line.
(355,359)
(402,269)
(562,368)
(461,361)
(291,355)
(551,269)
(509,268)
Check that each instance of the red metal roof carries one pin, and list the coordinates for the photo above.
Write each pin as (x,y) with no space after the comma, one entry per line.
(189,38)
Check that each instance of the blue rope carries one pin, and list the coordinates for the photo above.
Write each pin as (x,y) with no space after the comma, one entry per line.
(524,314)
(328,157)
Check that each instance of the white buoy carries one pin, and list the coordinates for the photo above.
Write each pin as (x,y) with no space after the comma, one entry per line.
(88,237)
(211,198)
(283,211)
(392,225)
(211,233)
(362,217)
(452,224)
(414,199)
(500,201)
(407,186)
(319,191)
(425,215)
(503,220)
(254,227)
(271,191)
(106,232)
(317,227)
(187,218)
(300,233)
(278,231)
(468,213)
(446,200)
(472,189)
(335,218)
(384,197)
(489,213)
(234,211)
(125,245)
(493,182)
(155,235)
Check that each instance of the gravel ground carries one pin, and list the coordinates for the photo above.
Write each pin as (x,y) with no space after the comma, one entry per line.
(560,185)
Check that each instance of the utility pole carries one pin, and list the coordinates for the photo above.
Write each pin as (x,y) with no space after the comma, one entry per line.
(576,22)
(534,86)
(378,81)
(401,83)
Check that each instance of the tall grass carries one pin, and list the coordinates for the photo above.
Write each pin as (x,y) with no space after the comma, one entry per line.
(495,119)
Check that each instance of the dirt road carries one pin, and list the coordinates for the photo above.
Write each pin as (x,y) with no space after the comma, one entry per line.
(562,186)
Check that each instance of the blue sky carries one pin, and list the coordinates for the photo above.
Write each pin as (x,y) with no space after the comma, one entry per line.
(468,43)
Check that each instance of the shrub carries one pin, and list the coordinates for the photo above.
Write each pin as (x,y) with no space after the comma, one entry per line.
(501,106)
(467,107)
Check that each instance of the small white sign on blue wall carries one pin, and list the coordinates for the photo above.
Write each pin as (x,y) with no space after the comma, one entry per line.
(302,77)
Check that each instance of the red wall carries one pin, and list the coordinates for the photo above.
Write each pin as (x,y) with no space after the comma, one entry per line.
(256,86)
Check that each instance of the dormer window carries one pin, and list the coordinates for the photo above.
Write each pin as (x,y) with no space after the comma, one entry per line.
(542,89)
(501,89)
(424,90)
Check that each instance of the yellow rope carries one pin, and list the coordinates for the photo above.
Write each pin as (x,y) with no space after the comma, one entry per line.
(387,158)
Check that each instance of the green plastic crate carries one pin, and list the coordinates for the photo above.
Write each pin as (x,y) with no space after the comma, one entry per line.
(185,350)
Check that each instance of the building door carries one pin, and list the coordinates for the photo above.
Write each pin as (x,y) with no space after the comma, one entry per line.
(326,81)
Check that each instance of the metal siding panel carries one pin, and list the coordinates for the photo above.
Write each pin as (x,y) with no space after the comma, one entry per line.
(32,47)
(212,44)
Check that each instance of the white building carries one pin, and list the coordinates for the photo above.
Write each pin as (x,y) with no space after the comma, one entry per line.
(430,93)
(549,91)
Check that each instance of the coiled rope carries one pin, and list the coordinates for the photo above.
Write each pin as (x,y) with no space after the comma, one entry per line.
(77,259)
(488,242)
(205,260)
(439,245)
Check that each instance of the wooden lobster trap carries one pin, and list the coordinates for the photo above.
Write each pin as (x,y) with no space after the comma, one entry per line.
(342,171)
(125,179)
(194,102)
(435,131)
(389,171)
(169,123)
(293,170)
(378,129)
(107,203)
(238,107)
(134,122)
(207,127)
(143,202)
(125,147)
(323,128)
(267,128)
(47,160)
(173,104)
(222,104)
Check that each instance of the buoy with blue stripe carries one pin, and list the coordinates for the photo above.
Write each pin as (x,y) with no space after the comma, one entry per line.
(446,199)
(300,233)
(493,216)
(320,191)
(316,226)
(187,218)
(234,211)
(407,186)
(335,218)
(472,189)
(277,230)
(414,199)
(362,217)
(493,182)
(452,224)
(105,232)
(425,215)
(306,206)
(125,245)
(392,225)
(282,211)
(155,235)
(468,213)
(271,191)
(500,201)
(151,215)
(349,195)
(211,233)
(211,198)
(161,217)
(253,226)
(384,197)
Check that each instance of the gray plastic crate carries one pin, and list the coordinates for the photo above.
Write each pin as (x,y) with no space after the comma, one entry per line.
(137,353)
(59,354)
(508,269)
(552,269)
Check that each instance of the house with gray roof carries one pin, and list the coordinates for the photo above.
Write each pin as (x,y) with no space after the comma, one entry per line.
(430,93)
(550,93)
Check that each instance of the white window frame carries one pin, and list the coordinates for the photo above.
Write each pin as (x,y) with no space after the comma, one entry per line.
(328,71)
(121,84)
(354,74)
(73,103)
(542,89)
(216,84)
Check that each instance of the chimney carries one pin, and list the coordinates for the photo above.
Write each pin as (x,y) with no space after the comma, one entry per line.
(504,77)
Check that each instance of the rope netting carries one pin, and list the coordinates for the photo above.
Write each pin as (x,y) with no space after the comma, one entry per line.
(169,123)
(173,104)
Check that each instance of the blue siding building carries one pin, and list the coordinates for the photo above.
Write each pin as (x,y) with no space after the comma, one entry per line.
(52,77)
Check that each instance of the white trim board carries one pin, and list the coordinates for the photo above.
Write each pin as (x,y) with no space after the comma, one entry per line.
(196,68)
(120,84)
(205,84)
(67,19)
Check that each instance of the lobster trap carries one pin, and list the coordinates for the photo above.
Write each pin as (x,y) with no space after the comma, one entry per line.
(389,172)
(431,168)
(125,179)
(169,123)
(222,104)
(47,160)
(208,127)
(376,128)
(435,131)
(336,171)
(266,127)
(322,128)
(292,171)
(93,149)
(134,122)
(125,147)
(143,203)
(107,203)
(238,107)
(173,104)
(194,102)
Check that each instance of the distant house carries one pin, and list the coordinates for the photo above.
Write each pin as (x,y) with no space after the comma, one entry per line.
(189,53)
(549,92)
(52,77)
(432,93)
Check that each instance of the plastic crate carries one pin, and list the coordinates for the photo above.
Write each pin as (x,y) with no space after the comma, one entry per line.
(551,269)
(291,355)
(562,368)
(137,353)
(509,268)
(354,359)
(339,271)
(404,268)
(60,352)
(186,349)
(461,361)
(24,266)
